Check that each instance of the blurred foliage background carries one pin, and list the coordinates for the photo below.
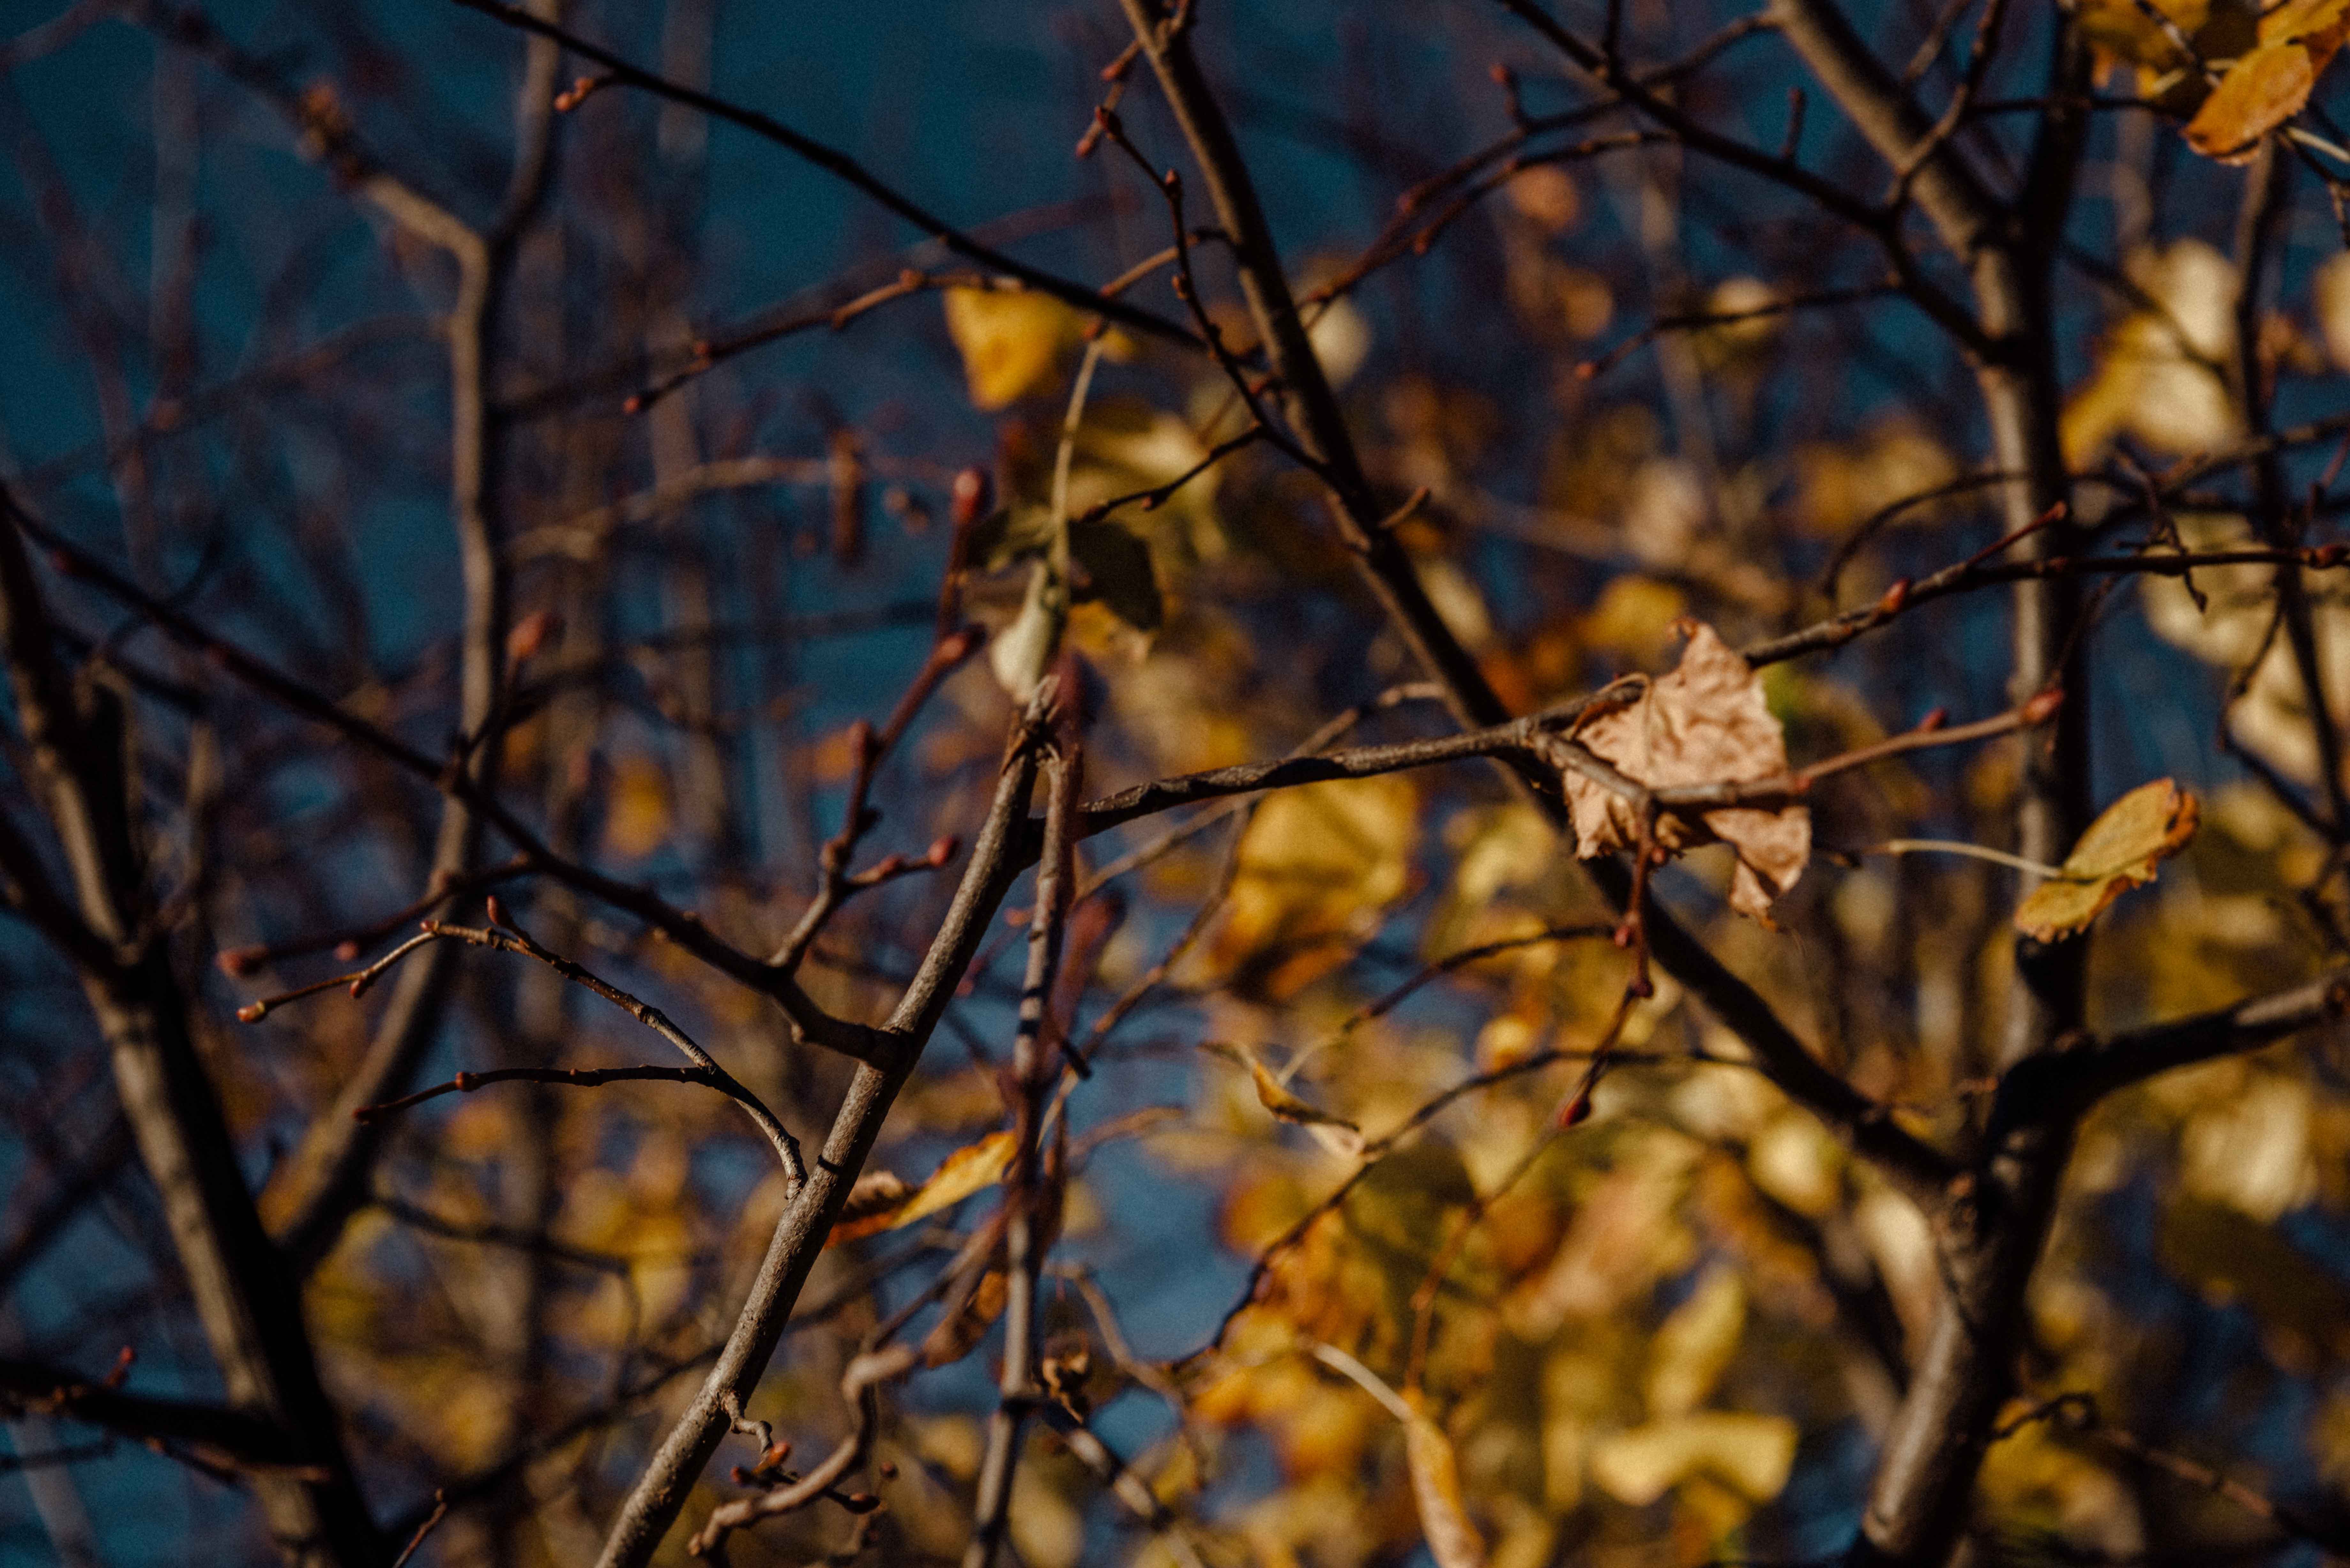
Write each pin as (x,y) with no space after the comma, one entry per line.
(718,472)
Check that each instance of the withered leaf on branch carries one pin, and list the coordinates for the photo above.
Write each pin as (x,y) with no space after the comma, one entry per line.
(2119,851)
(880,1201)
(1706,722)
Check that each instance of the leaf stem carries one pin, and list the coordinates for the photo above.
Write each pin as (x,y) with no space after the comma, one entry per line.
(1960,847)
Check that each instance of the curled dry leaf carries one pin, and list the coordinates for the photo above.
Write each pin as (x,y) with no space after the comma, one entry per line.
(1452,1539)
(1339,1136)
(2271,82)
(2119,851)
(1706,722)
(880,1201)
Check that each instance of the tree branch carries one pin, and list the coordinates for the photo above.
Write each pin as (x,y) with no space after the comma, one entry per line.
(842,167)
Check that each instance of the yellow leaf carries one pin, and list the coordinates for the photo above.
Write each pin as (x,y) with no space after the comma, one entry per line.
(1011,340)
(1338,1135)
(1634,617)
(1841,485)
(2122,29)
(2251,1150)
(1706,722)
(2119,851)
(1695,1343)
(891,1204)
(1452,1539)
(1751,1453)
(2157,378)
(639,816)
(2330,288)
(1317,867)
(1731,341)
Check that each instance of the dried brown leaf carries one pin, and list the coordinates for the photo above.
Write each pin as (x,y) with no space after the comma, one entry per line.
(1706,722)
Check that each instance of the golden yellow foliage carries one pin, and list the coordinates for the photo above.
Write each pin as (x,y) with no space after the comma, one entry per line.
(2268,85)
(882,1202)
(1751,1453)
(1011,340)
(638,821)
(2119,851)
(1316,864)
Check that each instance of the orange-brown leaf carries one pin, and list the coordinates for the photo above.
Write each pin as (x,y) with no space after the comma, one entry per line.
(2259,93)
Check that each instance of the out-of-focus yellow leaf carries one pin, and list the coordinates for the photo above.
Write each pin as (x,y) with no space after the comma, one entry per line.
(1695,1343)
(2159,377)
(1317,865)
(1751,1453)
(1452,1539)
(1337,1134)
(637,819)
(1665,506)
(1706,722)
(888,1203)
(1794,1160)
(1634,617)
(1011,340)
(2329,289)
(2122,30)
(2250,1150)
(1732,342)
(2119,851)
(1626,1234)
(2231,629)
(1842,484)
(1341,336)
(1047,1529)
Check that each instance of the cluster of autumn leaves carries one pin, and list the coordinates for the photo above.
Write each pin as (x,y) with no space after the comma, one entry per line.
(2237,69)
(1501,1341)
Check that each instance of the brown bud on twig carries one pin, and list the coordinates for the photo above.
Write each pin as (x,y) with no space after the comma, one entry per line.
(532,633)
(972,491)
